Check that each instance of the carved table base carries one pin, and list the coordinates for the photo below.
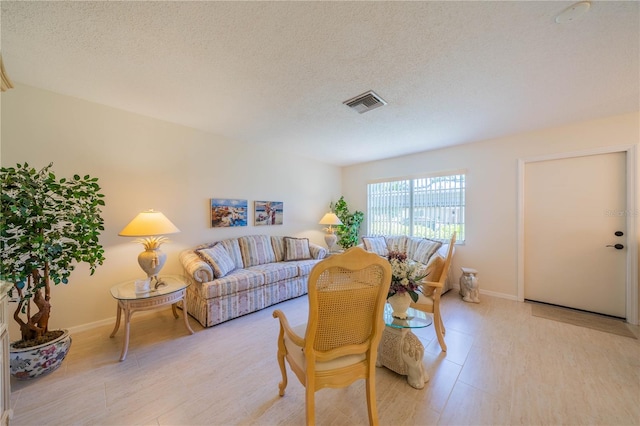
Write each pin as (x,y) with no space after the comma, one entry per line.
(401,351)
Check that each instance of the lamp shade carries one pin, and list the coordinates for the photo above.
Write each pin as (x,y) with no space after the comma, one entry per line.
(149,223)
(330,219)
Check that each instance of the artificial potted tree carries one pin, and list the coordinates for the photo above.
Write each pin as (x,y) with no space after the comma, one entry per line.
(349,231)
(48,226)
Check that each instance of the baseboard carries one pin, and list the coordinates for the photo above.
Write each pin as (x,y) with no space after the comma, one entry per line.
(490,293)
(499,295)
(106,321)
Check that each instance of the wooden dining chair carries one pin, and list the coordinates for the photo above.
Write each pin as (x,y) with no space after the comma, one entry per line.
(339,343)
(430,293)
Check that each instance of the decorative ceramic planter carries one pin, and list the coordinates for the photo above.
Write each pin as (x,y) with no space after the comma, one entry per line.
(29,363)
(400,303)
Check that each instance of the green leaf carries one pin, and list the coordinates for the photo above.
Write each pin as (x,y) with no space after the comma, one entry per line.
(47,225)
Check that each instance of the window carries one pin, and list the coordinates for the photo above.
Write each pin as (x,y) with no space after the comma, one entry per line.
(431,207)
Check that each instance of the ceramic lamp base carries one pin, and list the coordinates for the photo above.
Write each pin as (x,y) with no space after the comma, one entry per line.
(151,261)
(330,240)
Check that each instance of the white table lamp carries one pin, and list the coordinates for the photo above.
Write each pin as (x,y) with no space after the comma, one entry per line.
(151,225)
(330,237)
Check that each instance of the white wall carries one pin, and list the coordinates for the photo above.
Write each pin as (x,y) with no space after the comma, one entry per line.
(145,163)
(491,167)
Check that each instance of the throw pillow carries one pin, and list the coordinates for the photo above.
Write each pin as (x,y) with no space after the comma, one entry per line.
(396,242)
(256,250)
(425,249)
(278,247)
(377,245)
(233,248)
(296,249)
(219,260)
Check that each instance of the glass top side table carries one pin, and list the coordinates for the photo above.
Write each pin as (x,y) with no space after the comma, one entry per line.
(129,300)
(127,290)
(415,319)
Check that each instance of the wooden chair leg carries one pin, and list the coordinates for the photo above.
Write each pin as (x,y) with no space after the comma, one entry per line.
(310,405)
(283,369)
(371,400)
(282,352)
(439,332)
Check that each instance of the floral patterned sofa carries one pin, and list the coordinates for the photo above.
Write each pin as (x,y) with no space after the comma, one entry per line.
(237,276)
(430,254)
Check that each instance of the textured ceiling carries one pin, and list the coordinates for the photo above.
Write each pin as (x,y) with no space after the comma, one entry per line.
(276,73)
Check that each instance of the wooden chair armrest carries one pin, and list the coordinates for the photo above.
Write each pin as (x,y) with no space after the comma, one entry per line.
(431,289)
(285,328)
(435,284)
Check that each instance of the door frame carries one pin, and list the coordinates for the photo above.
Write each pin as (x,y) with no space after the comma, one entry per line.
(631,304)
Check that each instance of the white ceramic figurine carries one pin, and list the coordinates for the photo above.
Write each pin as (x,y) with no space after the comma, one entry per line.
(469,285)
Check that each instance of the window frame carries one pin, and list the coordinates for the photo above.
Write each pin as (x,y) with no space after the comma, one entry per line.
(441,226)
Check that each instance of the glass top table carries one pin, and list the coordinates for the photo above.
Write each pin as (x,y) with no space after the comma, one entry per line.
(127,290)
(415,319)
(173,289)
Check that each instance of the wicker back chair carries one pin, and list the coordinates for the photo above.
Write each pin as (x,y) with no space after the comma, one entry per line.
(429,298)
(339,343)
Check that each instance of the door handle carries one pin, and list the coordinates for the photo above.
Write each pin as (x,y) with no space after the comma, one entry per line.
(616,246)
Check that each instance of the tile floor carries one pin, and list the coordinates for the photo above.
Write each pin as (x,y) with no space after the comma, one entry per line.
(503,367)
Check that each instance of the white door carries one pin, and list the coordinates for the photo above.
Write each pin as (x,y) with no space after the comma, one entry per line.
(572,209)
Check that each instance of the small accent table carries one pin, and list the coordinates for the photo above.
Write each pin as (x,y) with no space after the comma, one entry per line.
(400,350)
(129,301)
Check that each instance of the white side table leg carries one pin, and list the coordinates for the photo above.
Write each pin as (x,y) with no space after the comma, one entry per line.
(127,328)
(118,315)
(186,314)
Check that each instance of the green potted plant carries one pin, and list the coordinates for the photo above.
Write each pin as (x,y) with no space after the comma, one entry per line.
(47,226)
(349,232)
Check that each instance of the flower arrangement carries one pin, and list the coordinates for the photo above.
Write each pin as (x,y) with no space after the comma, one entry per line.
(405,277)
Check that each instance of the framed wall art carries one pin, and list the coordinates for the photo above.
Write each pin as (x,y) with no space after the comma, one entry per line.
(268,212)
(227,212)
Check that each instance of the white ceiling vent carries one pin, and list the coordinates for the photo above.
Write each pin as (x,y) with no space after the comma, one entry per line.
(365,102)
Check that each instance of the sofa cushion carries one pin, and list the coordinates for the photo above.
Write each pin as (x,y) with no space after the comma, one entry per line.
(219,259)
(236,281)
(233,248)
(256,250)
(305,266)
(377,245)
(425,249)
(274,272)
(296,249)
